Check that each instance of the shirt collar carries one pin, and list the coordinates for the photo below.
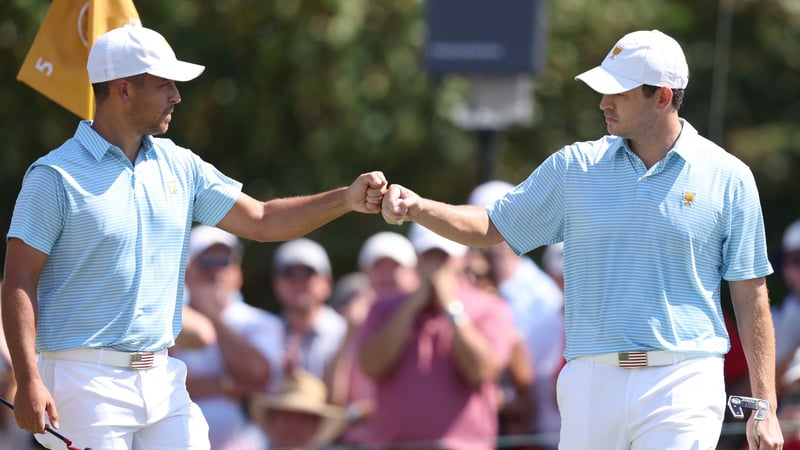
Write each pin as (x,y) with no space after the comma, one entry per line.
(97,146)
(683,145)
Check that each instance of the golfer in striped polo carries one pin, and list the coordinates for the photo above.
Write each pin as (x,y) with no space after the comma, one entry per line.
(97,252)
(653,217)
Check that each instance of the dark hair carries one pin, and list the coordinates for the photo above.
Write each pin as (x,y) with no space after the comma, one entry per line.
(677,94)
(103,89)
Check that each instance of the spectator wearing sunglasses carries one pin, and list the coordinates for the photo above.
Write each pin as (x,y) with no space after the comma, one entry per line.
(243,357)
(303,283)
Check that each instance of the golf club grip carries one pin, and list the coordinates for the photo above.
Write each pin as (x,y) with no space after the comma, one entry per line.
(46,426)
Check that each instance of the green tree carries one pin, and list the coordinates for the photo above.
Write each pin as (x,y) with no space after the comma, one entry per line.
(301,96)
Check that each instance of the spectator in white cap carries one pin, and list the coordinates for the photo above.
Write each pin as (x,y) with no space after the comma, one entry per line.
(538,306)
(389,264)
(117,303)
(653,217)
(389,261)
(303,282)
(446,341)
(246,354)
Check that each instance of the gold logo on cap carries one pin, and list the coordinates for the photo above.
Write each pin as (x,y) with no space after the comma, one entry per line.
(615,52)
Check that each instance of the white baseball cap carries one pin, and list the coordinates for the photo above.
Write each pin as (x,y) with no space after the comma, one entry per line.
(133,50)
(387,244)
(424,239)
(203,237)
(791,237)
(487,193)
(303,252)
(641,57)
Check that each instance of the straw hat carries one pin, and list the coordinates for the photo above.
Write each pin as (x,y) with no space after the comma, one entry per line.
(302,392)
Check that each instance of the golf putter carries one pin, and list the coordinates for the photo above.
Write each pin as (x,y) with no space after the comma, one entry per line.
(47,429)
(737,404)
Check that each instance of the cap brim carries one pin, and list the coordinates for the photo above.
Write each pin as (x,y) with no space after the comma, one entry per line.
(605,82)
(177,71)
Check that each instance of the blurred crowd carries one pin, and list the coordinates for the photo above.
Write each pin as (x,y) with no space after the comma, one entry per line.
(427,344)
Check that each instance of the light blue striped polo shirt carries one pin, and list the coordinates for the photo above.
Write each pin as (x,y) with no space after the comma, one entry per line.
(117,236)
(644,250)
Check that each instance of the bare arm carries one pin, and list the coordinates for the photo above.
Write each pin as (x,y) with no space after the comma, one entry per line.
(19,298)
(467,224)
(475,361)
(754,321)
(337,374)
(472,353)
(246,365)
(382,350)
(287,218)
(196,330)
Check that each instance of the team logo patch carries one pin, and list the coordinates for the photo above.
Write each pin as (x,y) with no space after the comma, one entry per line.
(688,198)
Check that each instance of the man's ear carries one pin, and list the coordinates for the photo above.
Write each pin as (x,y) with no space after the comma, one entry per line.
(664,97)
(121,88)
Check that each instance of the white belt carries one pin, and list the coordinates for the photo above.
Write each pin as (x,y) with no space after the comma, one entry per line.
(108,357)
(630,360)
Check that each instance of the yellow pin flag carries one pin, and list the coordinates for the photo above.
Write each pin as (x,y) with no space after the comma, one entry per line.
(56,62)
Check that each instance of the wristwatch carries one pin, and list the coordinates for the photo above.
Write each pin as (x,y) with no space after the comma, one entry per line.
(456,313)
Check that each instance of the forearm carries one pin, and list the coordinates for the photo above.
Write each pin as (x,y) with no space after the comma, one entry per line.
(283,219)
(337,375)
(467,224)
(201,387)
(245,364)
(756,332)
(196,330)
(473,355)
(19,326)
(382,350)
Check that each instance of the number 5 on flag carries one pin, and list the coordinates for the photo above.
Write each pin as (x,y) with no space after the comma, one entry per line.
(56,62)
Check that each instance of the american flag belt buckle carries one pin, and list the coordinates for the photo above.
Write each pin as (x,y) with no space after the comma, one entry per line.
(142,360)
(632,359)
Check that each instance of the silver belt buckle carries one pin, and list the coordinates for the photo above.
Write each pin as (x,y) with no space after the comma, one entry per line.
(142,360)
(632,359)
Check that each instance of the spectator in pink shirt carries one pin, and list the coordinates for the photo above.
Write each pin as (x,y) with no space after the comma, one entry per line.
(435,355)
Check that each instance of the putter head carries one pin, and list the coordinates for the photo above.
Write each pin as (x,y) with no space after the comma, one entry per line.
(737,404)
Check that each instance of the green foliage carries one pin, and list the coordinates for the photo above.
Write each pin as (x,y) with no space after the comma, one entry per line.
(301,96)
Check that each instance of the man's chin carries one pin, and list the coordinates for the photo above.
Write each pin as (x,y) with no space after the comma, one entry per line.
(160,130)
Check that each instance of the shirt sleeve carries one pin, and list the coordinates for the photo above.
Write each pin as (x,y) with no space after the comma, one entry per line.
(532,213)
(744,252)
(215,193)
(39,213)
